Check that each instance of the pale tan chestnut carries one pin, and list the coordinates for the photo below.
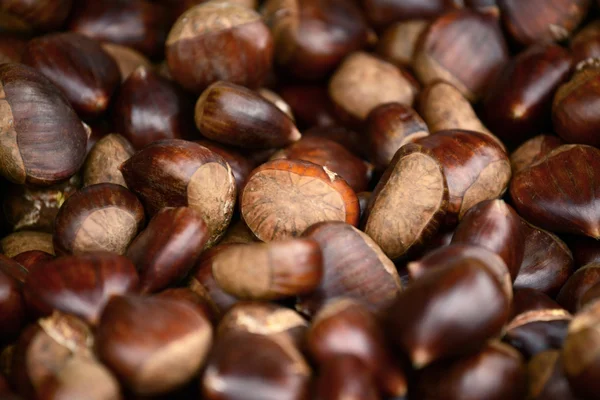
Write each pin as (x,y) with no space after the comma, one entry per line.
(103,161)
(22,241)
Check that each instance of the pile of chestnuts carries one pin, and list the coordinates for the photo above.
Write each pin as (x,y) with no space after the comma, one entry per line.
(300,199)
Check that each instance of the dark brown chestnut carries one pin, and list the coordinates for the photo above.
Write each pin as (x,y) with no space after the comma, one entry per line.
(13,268)
(12,308)
(559,192)
(168,248)
(313,36)
(518,105)
(148,108)
(234,115)
(139,24)
(547,380)
(586,43)
(577,285)
(161,345)
(79,67)
(532,151)
(127,59)
(22,241)
(451,49)
(102,217)
(495,225)
(177,173)
(28,259)
(277,100)
(585,250)
(350,139)
(12,47)
(233,37)
(178,7)
(345,377)
(104,159)
(398,42)
(282,198)
(354,266)
(384,12)
(44,140)
(590,296)
(44,15)
(310,105)
(189,296)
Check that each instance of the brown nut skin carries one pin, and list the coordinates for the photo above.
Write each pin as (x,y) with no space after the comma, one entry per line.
(354,266)
(519,103)
(22,241)
(495,225)
(80,285)
(168,248)
(268,271)
(29,258)
(532,151)
(189,296)
(103,161)
(586,43)
(547,261)
(79,67)
(383,12)
(503,367)
(397,43)
(427,326)
(559,192)
(541,20)
(239,163)
(238,232)
(37,120)
(139,24)
(274,369)
(310,105)
(13,269)
(327,153)
(547,380)
(148,108)
(277,100)
(345,377)
(313,36)
(573,117)
(363,81)
(46,15)
(350,139)
(31,208)
(450,49)
(577,285)
(102,217)
(127,59)
(12,308)
(346,327)
(12,46)
(389,127)
(282,198)
(591,295)
(159,346)
(231,114)
(585,250)
(233,37)
(177,173)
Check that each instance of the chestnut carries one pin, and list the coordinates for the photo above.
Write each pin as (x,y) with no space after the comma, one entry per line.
(363,81)
(177,173)
(12,308)
(451,49)
(398,42)
(178,7)
(127,59)
(559,192)
(591,295)
(102,217)
(267,271)
(240,165)
(45,142)
(547,380)
(148,108)
(237,116)
(277,100)
(332,155)
(22,241)
(348,138)
(354,266)
(282,198)
(541,20)
(485,6)
(313,36)
(384,12)
(30,258)
(310,105)
(238,232)
(79,67)
(532,151)
(519,102)
(189,296)
(345,377)
(585,249)
(233,37)
(162,343)
(577,285)
(389,127)
(139,24)
(168,248)
(44,15)
(12,46)
(13,268)
(103,161)
(586,43)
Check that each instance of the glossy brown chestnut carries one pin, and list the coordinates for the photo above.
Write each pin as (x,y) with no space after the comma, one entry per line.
(559,192)
(240,165)
(345,377)
(29,258)
(277,100)
(542,20)
(102,217)
(274,369)
(327,153)
(12,308)
(282,198)
(547,261)
(31,208)
(313,36)
(79,67)
(518,104)
(586,43)
(44,140)
(139,24)
(398,42)
(189,296)
(532,151)
(573,115)
(234,115)
(354,266)
(384,12)
(233,37)
(495,225)
(148,108)
(547,380)
(389,127)
(44,15)
(346,326)
(268,271)
(451,49)
(363,81)
(162,343)
(310,105)
(176,173)
(22,241)
(103,161)
(577,285)
(450,310)
(127,59)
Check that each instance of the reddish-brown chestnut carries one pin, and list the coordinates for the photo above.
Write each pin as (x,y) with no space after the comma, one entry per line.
(532,151)
(398,42)
(586,43)
(127,59)
(44,15)
(310,105)
(577,285)
(240,165)
(28,259)
(345,377)
(384,12)
(12,308)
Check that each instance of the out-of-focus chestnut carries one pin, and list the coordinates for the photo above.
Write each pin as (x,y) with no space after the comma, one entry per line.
(547,380)
(384,12)
(104,159)
(12,308)
(345,377)
(28,259)
(398,42)
(310,105)
(240,165)
(586,43)
(350,139)
(12,47)
(577,285)
(127,59)
(22,241)
(45,15)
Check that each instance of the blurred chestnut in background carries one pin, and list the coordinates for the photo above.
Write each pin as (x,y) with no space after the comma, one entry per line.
(30,258)
(547,380)
(384,12)
(577,285)
(12,47)
(233,37)
(22,241)
(127,59)
(398,42)
(310,104)
(104,159)
(12,308)
(44,15)
(586,43)
(350,139)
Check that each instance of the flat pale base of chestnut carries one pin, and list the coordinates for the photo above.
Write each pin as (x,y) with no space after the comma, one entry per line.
(109,229)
